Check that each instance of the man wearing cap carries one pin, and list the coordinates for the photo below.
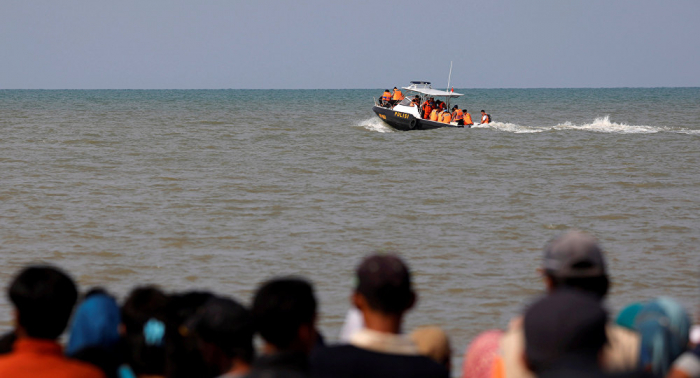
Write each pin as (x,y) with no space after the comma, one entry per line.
(383,295)
(572,261)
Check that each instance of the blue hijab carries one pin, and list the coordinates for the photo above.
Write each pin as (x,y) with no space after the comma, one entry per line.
(95,324)
(664,326)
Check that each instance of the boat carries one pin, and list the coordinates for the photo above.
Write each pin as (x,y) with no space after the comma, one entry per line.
(405,117)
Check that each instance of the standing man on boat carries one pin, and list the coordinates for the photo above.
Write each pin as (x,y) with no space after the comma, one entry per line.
(396,96)
(427,108)
(457,115)
(386,98)
(485,118)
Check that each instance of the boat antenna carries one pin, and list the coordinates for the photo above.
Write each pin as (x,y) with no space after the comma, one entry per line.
(448,85)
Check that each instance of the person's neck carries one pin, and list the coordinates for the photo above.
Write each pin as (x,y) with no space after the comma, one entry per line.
(381,322)
(239,367)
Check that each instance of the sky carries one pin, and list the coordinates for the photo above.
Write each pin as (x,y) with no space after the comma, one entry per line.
(332,44)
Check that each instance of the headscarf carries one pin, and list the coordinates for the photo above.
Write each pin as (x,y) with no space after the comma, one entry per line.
(663,325)
(481,353)
(627,315)
(95,324)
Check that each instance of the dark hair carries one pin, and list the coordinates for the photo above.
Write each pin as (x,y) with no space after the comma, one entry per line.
(385,281)
(143,306)
(44,298)
(182,355)
(598,285)
(280,307)
(226,324)
(483,111)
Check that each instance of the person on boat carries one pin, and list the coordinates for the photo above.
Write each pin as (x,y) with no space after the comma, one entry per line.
(396,96)
(427,108)
(445,116)
(434,114)
(441,105)
(467,118)
(386,97)
(457,115)
(485,117)
(415,101)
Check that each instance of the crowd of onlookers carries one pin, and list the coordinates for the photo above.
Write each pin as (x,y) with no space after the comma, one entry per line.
(566,332)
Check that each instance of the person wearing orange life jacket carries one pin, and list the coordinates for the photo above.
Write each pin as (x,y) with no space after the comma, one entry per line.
(434,114)
(467,118)
(444,116)
(457,115)
(427,108)
(386,97)
(396,96)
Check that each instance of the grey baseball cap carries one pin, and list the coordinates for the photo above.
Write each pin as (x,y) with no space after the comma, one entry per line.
(574,254)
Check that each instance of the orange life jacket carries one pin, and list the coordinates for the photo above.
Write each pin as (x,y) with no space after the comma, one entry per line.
(398,96)
(458,114)
(426,109)
(468,119)
(434,115)
(386,96)
(445,117)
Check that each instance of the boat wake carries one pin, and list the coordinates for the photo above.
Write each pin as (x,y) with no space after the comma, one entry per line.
(375,124)
(600,125)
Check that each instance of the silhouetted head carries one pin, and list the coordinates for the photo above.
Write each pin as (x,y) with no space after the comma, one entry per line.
(385,282)
(44,298)
(284,312)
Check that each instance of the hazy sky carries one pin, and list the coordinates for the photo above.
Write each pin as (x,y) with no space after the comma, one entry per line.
(348,44)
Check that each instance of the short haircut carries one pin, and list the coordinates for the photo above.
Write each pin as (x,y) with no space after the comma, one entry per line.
(385,281)
(280,307)
(564,323)
(226,324)
(483,111)
(44,298)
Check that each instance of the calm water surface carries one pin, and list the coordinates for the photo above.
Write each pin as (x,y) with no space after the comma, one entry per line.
(221,190)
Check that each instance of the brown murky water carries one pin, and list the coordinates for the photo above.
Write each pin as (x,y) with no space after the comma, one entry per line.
(197,190)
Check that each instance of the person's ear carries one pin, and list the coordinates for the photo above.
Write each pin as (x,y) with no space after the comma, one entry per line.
(358,300)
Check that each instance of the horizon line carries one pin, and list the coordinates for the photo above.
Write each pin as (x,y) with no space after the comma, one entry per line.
(310,89)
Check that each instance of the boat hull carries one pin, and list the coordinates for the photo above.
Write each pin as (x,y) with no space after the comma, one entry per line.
(407,122)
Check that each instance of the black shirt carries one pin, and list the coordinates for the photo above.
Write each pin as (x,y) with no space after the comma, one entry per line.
(346,361)
(280,365)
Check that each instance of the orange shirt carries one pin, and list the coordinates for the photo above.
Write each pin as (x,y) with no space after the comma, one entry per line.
(37,358)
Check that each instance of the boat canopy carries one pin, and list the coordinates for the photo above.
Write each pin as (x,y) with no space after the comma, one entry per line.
(425,88)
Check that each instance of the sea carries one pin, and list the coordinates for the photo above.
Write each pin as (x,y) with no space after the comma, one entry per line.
(222,190)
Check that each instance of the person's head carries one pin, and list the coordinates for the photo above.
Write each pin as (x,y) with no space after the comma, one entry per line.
(183,357)
(481,354)
(663,325)
(95,324)
(575,260)
(433,343)
(565,323)
(384,285)
(143,330)
(455,107)
(284,312)
(483,111)
(44,298)
(223,330)
(465,110)
(394,88)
